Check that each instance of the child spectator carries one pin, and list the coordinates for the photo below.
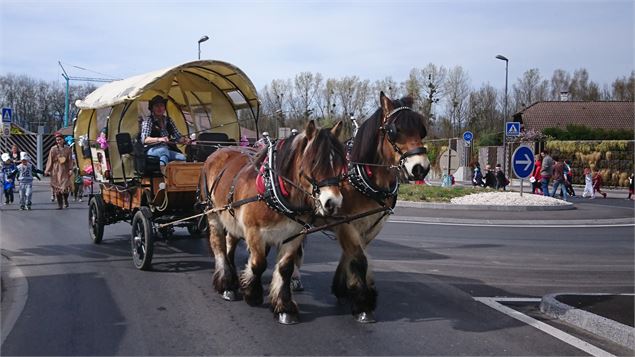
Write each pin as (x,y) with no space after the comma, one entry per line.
(8,177)
(588,183)
(477,179)
(489,178)
(501,180)
(597,184)
(26,171)
(78,184)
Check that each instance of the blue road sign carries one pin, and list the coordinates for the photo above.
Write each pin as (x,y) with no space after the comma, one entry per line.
(468,136)
(512,128)
(6,115)
(523,162)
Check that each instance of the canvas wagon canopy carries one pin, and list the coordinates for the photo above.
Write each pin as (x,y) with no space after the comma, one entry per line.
(203,96)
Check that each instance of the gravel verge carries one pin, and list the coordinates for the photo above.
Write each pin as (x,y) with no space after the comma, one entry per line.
(508,199)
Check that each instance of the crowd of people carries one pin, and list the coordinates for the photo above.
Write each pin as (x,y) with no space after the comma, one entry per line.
(18,172)
(17,168)
(548,170)
(495,179)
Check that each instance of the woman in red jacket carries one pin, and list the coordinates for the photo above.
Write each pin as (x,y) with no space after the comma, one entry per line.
(535,185)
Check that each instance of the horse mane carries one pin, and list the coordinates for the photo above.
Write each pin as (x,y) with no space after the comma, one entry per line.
(326,153)
(366,142)
(326,160)
(285,153)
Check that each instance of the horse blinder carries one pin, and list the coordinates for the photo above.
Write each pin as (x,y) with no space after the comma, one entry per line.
(330,181)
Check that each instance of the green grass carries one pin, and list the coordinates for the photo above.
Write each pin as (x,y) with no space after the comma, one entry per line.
(425,193)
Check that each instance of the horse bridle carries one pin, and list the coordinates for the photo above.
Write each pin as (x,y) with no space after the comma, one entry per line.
(390,131)
(330,181)
(282,204)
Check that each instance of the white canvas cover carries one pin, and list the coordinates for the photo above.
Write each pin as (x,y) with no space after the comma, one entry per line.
(202,96)
(192,76)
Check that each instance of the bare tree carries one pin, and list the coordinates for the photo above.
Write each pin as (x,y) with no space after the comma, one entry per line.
(306,88)
(529,89)
(275,99)
(426,88)
(326,102)
(433,89)
(457,90)
(483,117)
(560,82)
(389,86)
(624,88)
(581,88)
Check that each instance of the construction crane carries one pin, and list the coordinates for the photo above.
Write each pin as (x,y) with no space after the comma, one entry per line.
(72,78)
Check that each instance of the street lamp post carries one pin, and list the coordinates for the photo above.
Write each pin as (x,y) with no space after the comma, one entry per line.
(202,39)
(503,58)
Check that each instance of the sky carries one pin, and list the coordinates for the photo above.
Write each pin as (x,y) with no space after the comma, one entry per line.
(279,39)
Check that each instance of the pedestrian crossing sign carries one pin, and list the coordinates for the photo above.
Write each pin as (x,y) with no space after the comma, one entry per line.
(6,115)
(512,128)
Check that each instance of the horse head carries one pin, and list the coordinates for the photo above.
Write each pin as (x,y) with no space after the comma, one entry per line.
(316,161)
(403,131)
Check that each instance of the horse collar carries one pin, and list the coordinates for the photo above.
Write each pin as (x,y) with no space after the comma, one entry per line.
(274,191)
(359,178)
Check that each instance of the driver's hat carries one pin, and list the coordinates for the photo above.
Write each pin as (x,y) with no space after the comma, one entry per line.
(155,100)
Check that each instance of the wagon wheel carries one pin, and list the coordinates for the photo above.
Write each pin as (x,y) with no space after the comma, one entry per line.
(96,219)
(142,241)
(199,228)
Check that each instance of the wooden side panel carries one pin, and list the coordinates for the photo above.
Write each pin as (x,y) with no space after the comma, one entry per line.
(120,197)
(182,176)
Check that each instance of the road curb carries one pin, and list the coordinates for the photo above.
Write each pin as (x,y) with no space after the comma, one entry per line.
(617,332)
(450,206)
(15,290)
(515,222)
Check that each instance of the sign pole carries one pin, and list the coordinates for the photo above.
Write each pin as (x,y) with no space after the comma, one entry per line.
(449,154)
(521,187)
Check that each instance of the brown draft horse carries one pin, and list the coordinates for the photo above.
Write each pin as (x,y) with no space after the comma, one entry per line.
(313,163)
(389,140)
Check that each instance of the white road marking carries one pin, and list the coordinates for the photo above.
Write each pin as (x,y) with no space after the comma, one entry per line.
(15,299)
(561,335)
(485,224)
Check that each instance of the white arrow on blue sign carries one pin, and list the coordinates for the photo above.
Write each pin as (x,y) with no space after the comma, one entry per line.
(523,162)
(468,136)
(512,128)
(6,115)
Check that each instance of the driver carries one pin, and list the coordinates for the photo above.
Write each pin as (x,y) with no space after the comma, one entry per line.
(156,131)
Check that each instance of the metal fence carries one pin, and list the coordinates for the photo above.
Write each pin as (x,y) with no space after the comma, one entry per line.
(28,143)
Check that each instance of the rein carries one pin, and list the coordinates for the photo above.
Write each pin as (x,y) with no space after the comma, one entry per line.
(344,219)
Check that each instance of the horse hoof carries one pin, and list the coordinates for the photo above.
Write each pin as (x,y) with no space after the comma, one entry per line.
(296,284)
(365,318)
(229,295)
(288,319)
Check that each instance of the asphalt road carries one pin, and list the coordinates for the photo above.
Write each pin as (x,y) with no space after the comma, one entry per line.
(86,299)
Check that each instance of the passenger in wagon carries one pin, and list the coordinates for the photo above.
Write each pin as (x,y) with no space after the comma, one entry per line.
(159,133)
